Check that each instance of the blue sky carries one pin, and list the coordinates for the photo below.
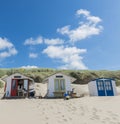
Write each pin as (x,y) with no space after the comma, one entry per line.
(60,34)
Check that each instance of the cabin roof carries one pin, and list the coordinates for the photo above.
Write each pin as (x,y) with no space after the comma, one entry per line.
(103,79)
(17,74)
(72,78)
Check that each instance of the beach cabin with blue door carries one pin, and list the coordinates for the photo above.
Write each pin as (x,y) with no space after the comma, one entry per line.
(102,87)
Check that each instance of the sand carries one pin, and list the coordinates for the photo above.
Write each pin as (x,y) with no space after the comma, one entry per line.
(84,110)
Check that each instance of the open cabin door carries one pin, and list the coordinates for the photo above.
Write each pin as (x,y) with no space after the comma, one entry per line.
(26,87)
(14,87)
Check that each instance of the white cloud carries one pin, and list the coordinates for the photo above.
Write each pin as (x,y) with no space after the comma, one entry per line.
(32,41)
(64,30)
(7,49)
(80,32)
(84,29)
(93,19)
(69,56)
(33,55)
(29,66)
(56,41)
(82,12)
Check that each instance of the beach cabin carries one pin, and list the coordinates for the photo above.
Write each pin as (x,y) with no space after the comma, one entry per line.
(102,87)
(58,84)
(18,85)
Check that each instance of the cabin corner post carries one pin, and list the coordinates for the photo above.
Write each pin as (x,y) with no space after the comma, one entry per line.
(28,89)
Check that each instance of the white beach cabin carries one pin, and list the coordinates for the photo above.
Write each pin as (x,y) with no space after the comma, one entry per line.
(18,85)
(102,87)
(58,84)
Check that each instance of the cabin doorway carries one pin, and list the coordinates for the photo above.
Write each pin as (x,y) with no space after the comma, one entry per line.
(59,86)
(105,88)
(19,87)
(14,86)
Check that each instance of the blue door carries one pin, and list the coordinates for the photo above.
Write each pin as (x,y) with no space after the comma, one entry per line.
(100,87)
(108,88)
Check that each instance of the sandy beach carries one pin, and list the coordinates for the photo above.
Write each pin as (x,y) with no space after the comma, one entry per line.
(84,110)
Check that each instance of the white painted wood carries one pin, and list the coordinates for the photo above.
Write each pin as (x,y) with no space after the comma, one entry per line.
(8,81)
(93,91)
(25,84)
(92,88)
(51,79)
(114,88)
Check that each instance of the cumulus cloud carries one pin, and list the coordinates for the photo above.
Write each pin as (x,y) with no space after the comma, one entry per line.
(56,41)
(29,66)
(33,55)
(89,17)
(69,56)
(85,29)
(7,49)
(32,41)
(82,11)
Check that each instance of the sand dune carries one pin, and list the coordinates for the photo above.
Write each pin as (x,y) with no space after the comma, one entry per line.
(84,110)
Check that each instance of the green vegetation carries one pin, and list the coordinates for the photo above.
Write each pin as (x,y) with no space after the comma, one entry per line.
(82,76)
(1,84)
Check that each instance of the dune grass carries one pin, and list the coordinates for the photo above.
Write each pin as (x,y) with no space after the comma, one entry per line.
(82,76)
(1,84)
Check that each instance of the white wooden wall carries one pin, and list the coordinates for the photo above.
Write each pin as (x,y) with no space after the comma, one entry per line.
(51,84)
(8,83)
(114,88)
(92,86)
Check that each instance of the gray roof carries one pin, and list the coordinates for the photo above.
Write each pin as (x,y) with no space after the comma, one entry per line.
(72,78)
(16,74)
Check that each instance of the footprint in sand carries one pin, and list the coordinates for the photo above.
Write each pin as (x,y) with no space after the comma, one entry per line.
(96,117)
(107,119)
(59,112)
(46,118)
(111,122)
(43,112)
(95,110)
(59,121)
(70,118)
(43,109)
(103,122)
(82,114)
(65,120)
(82,108)
(51,107)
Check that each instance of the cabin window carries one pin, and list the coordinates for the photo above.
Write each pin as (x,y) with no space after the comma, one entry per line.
(108,85)
(100,85)
(59,76)
(59,84)
(17,76)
